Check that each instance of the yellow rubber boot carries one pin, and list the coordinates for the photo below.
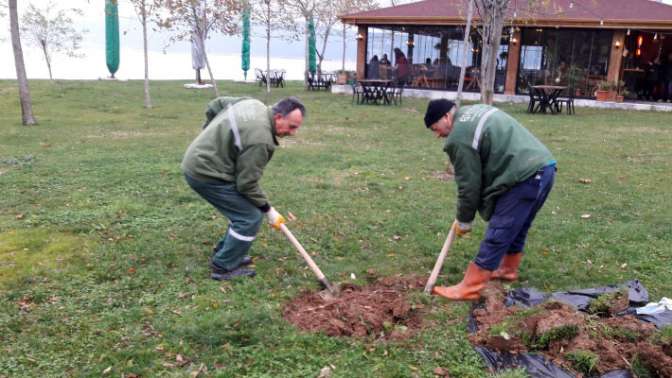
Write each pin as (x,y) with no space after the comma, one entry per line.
(469,289)
(508,269)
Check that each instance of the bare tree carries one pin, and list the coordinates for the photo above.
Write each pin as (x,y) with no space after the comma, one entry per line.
(24,92)
(465,47)
(273,16)
(327,16)
(144,9)
(52,33)
(306,9)
(195,19)
(491,15)
(346,7)
(3,13)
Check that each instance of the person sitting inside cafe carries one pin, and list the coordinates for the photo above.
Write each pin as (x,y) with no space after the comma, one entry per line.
(384,67)
(373,70)
(401,66)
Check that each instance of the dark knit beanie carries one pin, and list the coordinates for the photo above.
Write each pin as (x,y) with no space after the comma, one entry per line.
(437,109)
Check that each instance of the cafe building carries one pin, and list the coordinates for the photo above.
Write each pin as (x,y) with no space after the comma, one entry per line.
(624,46)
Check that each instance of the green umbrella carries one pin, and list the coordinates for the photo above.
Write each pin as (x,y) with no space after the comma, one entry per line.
(112,35)
(245,65)
(312,51)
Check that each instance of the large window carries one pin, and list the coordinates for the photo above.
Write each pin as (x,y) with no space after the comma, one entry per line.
(577,59)
(427,57)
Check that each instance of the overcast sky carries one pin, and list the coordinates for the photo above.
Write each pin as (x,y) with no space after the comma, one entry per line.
(175,62)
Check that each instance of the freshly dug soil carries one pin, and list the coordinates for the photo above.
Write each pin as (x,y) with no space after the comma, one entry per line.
(379,310)
(561,333)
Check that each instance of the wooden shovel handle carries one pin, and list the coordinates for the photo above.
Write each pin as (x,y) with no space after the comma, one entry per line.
(439,261)
(320,276)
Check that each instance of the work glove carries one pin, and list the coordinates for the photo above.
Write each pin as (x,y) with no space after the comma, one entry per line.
(275,219)
(462,228)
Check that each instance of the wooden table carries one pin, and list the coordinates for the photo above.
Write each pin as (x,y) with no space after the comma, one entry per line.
(547,94)
(375,91)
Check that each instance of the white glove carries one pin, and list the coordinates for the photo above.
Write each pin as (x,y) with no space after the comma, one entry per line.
(275,219)
(462,228)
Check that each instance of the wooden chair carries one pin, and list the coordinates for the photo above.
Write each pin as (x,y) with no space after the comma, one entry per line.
(566,101)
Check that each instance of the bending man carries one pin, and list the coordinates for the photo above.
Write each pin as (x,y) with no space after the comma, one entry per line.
(503,172)
(224,165)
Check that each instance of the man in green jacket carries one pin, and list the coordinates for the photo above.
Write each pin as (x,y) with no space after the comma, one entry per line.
(503,172)
(224,165)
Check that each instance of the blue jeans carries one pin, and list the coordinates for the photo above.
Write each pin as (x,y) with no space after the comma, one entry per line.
(514,212)
(244,220)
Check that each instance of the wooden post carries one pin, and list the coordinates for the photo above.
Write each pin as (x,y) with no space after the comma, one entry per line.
(513,61)
(362,37)
(616,56)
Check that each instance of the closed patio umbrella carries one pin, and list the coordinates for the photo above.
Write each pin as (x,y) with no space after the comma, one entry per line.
(245,58)
(112,36)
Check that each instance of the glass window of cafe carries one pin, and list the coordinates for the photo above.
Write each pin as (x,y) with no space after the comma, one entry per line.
(575,58)
(427,57)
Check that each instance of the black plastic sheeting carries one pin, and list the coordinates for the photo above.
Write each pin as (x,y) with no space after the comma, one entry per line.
(539,367)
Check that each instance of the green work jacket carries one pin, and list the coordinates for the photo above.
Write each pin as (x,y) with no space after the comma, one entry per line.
(235,145)
(490,152)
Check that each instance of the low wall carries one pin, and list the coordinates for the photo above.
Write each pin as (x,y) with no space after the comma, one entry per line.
(521,99)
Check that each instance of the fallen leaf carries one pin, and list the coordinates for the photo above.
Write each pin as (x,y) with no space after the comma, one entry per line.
(201,369)
(441,372)
(585,181)
(624,265)
(407,178)
(106,371)
(585,216)
(19,216)
(352,276)
(325,372)
(176,312)
(131,270)
(396,237)
(291,216)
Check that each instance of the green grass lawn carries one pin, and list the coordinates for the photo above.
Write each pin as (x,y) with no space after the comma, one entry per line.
(104,248)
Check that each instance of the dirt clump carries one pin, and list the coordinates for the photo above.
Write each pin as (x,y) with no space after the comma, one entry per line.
(379,310)
(588,344)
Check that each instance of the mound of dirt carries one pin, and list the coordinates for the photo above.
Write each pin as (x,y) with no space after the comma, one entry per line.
(587,344)
(379,310)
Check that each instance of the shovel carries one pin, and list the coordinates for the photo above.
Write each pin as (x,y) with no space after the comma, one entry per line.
(331,291)
(439,261)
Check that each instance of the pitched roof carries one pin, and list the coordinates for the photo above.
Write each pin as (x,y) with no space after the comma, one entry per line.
(566,13)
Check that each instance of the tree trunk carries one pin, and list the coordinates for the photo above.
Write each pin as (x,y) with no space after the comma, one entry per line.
(343,56)
(198,77)
(148,99)
(320,56)
(306,68)
(212,78)
(268,50)
(43,44)
(27,117)
(465,47)
(492,17)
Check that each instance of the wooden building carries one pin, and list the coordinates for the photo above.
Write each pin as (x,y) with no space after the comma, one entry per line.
(575,43)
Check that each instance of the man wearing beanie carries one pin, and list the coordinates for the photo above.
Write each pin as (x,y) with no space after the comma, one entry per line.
(503,172)
(224,165)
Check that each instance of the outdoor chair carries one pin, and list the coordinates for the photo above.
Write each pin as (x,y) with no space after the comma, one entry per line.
(395,94)
(566,101)
(260,77)
(356,92)
(535,99)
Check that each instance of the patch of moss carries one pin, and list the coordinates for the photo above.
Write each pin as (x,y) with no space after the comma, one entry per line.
(28,252)
(583,361)
(566,332)
(602,305)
